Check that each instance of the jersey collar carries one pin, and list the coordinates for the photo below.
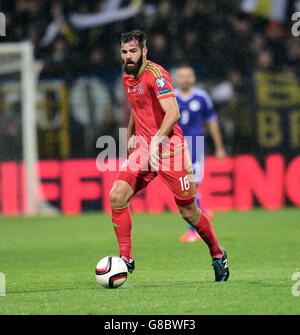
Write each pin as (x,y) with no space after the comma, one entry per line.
(185,98)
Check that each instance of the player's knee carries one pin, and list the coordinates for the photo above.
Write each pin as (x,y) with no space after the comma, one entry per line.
(116,197)
(118,194)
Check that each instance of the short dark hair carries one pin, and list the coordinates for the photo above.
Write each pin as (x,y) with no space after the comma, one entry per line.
(184,66)
(135,34)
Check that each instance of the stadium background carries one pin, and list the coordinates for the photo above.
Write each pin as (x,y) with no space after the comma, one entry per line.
(244,55)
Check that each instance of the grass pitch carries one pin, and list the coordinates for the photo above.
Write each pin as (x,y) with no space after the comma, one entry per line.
(49,265)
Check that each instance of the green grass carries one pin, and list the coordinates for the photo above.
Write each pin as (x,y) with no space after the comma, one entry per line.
(49,265)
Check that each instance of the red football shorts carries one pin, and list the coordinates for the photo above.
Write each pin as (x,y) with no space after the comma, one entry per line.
(175,170)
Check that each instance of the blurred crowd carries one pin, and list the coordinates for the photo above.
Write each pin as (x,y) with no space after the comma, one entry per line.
(215,36)
(223,43)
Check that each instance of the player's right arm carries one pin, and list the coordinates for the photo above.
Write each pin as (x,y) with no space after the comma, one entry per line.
(131,133)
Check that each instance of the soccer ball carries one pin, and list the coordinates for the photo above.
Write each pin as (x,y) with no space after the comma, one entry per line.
(111,272)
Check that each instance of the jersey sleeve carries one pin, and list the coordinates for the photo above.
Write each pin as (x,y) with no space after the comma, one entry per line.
(161,84)
(208,110)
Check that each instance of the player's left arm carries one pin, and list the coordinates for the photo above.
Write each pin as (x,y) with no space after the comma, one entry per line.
(213,126)
(172,115)
(162,87)
(215,132)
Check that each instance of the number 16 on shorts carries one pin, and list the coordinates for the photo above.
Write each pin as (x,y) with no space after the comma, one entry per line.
(185,183)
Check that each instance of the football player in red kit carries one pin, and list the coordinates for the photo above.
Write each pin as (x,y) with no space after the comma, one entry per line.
(156,146)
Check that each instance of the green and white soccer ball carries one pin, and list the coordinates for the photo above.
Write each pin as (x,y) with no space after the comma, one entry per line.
(111,272)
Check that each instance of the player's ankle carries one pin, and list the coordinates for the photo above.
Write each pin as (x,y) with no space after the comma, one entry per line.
(218,253)
(126,258)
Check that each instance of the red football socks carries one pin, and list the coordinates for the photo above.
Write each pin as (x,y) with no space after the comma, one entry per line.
(207,233)
(121,218)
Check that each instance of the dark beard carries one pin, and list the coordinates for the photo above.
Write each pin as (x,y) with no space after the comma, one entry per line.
(134,70)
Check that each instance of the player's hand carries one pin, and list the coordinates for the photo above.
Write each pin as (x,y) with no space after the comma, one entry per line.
(220,153)
(131,144)
(153,156)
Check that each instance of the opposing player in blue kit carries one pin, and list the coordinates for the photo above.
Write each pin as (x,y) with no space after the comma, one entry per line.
(196,109)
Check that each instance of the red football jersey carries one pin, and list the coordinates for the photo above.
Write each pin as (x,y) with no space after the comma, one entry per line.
(144,91)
